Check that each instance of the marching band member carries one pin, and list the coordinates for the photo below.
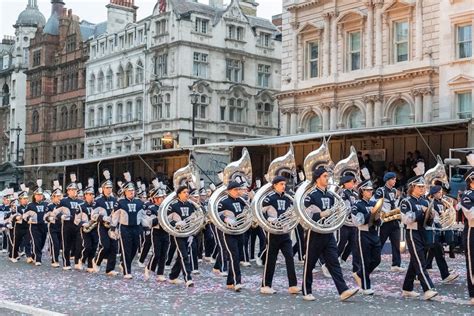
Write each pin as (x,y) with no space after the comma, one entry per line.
(178,211)
(220,266)
(467,204)
(53,222)
(128,212)
(209,242)
(104,208)
(20,230)
(145,244)
(34,216)
(196,239)
(368,247)
(160,239)
(413,210)
(390,229)
(5,208)
(346,244)
(229,208)
(436,194)
(274,205)
(319,203)
(70,206)
(90,238)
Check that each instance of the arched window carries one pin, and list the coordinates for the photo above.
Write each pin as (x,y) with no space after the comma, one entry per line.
(54,122)
(100,116)
(129,75)
(314,124)
(201,106)
(354,118)
(6,94)
(91,84)
(157,107)
(402,113)
(223,109)
(73,116)
(139,72)
(91,117)
(100,84)
(129,111)
(264,113)
(237,110)
(109,115)
(35,122)
(120,77)
(64,118)
(119,112)
(139,109)
(109,80)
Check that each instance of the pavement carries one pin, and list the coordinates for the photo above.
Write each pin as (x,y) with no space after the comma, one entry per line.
(30,290)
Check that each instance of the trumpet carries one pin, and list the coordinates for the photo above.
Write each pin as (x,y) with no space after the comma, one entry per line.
(392,215)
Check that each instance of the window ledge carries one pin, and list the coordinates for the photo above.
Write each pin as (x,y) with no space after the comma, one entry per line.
(235,40)
(161,35)
(462,60)
(265,47)
(209,35)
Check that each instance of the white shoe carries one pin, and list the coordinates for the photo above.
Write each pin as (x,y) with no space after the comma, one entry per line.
(267,290)
(309,297)
(4,251)
(208,259)
(95,267)
(67,268)
(199,260)
(223,273)
(161,278)
(450,278)
(14,260)
(176,281)
(78,266)
(259,262)
(397,269)
(29,260)
(147,274)
(55,265)
(37,264)
(348,294)
(128,276)
(368,292)
(325,271)
(430,270)
(429,295)
(141,265)
(112,273)
(294,290)
(196,272)
(90,270)
(189,283)
(410,294)
(238,287)
(357,279)
(245,264)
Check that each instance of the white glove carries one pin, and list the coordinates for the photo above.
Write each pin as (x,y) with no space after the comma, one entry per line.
(180,223)
(230,221)
(64,217)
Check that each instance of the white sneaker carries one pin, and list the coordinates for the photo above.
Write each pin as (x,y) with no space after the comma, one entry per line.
(397,269)
(196,272)
(325,271)
(78,266)
(410,294)
(357,279)
(294,290)
(161,278)
(141,265)
(4,251)
(429,295)
(14,260)
(29,260)
(223,273)
(55,265)
(199,260)
(368,292)
(245,264)
(147,274)
(128,276)
(450,278)
(37,264)
(176,281)
(267,290)
(67,268)
(309,297)
(189,283)
(112,273)
(238,287)
(348,294)
(259,262)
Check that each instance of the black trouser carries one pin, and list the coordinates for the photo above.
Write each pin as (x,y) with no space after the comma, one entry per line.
(469,252)
(436,251)
(21,238)
(182,260)
(209,242)
(254,233)
(346,245)
(129,243)
(392,230)
(322,245)
(79,246)
(171,251)
(275,243)
(5,240)
(417,266)
(54,238)
(107,249)
(146,245)
(299,246)
(90,241)
(222,256)
(199,244)
(38,233)
(368,255)
(11,239)
(233,245)
(160,242)
(69,233)
(193,252)
(244,253)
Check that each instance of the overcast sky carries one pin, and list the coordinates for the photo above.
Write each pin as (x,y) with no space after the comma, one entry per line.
(94,10)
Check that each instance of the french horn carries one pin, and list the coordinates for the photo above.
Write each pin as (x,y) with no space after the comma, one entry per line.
(192,224)
(241,168)
(287,221)
(319,157)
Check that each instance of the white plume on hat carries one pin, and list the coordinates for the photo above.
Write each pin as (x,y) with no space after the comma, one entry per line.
(301,176)
(470,159)
(127,176)
(23,187)
(106,174)
(39,183)
(120,183)
(258,183)
(419,169)
(365,173)
(155,183)
(73,177)
(143,187)
(201,183)
(90,182)
(139,184)
(212,186)
(220,175)
(8,191)
(79,186)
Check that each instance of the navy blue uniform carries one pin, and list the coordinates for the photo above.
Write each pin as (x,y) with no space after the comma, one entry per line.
(321,245)
(38,228)
(129,214)
(436,251)
(184,210)
(54,231)
(160,241)
(69,230)
(5,239)
(390,229)
(413,216)
(145,244)
(279,203)
(21,236)
(233,243)
(90,240)
(107,247)
(467,203)
(346,243)
(367,241)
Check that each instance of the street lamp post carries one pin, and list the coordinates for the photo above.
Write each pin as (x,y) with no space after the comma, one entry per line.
(17,161)
(194,101)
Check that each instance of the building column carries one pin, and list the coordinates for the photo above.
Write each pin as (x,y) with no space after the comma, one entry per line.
(418,106)
(377,111)
(427,105)
(334,45)
(284,123)
(419,30)
(327,40)
(294,122)
(325,118)
(294,63)
(370,35)
(333,117)
(369,113)
(378,34)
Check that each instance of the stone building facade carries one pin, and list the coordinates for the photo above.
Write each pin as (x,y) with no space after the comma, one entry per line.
(364,64)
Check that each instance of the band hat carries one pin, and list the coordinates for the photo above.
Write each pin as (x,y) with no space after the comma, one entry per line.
(417,180)
(203,192)
(194,192)
(434,189)
(469,174)
(278,179)
(389,175)
(128,185)
(319,172)
(24,191)
(366,185)
(72,185)
(235,184)
(181,189)
(346,178)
